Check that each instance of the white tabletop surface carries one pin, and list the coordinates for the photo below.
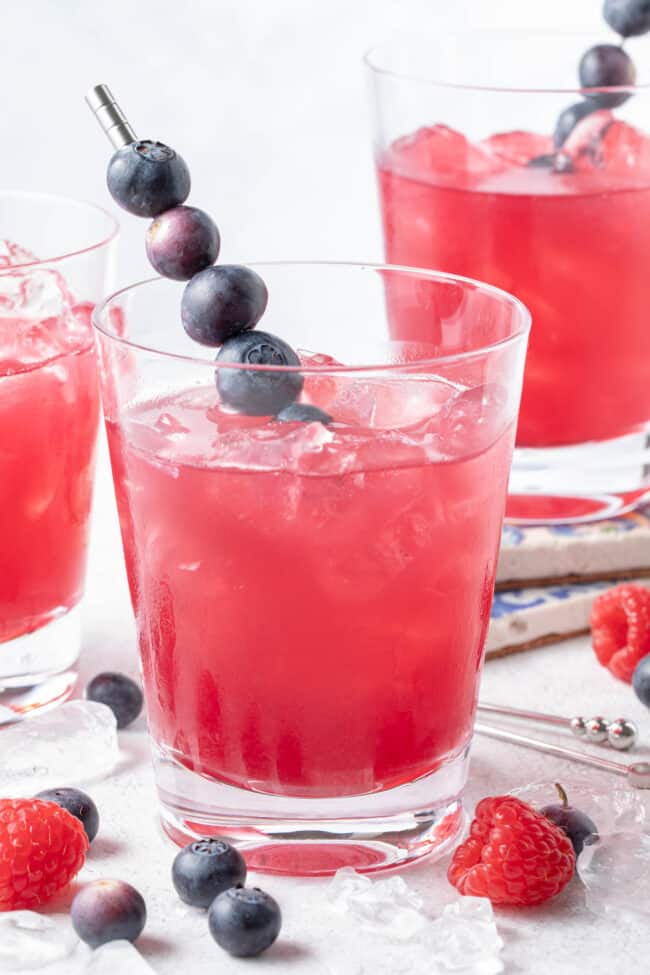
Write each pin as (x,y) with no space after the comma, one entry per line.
(266,100)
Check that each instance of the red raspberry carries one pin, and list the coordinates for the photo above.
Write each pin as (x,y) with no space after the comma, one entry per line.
(513,855)
(620,628)
(42,847)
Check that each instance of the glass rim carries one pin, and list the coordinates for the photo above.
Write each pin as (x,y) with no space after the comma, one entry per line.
(106,238)
(519,332)
(371,60)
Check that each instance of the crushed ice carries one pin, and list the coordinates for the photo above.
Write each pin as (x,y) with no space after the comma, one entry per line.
(462,939)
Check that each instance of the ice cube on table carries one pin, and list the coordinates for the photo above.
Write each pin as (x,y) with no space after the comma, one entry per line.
(462,939)
(117,958)
(72,744)
(616,874)
(613,809)
(387,906)
(29,941)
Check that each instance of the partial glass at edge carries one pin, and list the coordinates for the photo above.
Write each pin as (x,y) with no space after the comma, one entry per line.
(312,600)
(457,122)
(49,411)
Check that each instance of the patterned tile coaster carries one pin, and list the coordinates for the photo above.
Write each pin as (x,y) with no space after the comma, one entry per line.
(523,619)
(567,554)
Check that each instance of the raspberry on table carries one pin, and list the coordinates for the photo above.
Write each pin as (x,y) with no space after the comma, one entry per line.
(513,855)
(42,847)
(620,628)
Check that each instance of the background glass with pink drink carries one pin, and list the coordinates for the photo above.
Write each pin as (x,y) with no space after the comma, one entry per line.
(312,598)
(55,261)
(471,182)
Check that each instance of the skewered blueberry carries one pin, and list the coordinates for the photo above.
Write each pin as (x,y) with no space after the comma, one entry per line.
(244,921)
(223,301)
(577,825)
(78,804)
(204,869)
(258,392)
(607,66)
(641,680)
(181,242)
(147,178)
(108,910)
(569,118)
(303,413)
(629,18)
(119,693)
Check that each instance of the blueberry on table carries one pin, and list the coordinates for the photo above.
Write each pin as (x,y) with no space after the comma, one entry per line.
(244,921)
(108,910)
(147,178)
(607,66)
(78,804)
(258,392)
(223,301)
(181,242)
(118,692)
(569,118)
(629,18)
(204,869)
(641,680)
(303,413)
(577,825)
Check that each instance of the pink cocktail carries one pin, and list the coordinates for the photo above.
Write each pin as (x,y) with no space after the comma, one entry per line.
(474,180)
(312,599)
(49,410)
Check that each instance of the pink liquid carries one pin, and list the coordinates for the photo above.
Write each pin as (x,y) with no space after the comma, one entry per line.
(48,422)
(573,246)
(312,602)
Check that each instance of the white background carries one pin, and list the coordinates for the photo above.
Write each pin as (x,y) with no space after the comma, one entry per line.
(266,101)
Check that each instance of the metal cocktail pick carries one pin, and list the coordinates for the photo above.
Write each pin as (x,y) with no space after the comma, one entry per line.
(637,774)
(110,116)
(621,734)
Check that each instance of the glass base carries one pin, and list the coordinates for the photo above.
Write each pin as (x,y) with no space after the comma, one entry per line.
(316,837)
(37,668)
(582,483)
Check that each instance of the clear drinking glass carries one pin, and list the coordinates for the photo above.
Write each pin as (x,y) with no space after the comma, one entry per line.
(55,261)
(471,182)
(312,600)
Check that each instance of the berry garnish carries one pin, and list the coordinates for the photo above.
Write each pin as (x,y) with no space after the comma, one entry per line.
(147,178)
(579,828)
(119,693)
(620,628)
(607,66)
(641,680)
(244,921)
(258,392)
(303,413)
(569,118)
(181,242)
(204,869)
(78,804)
(513,855)
(629,18)
(42,847)
(223,301)
(108,910)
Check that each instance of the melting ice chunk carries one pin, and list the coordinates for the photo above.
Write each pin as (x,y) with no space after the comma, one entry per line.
(616,875)
(117,958)
(463,939)
(29,941)
(74,743)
